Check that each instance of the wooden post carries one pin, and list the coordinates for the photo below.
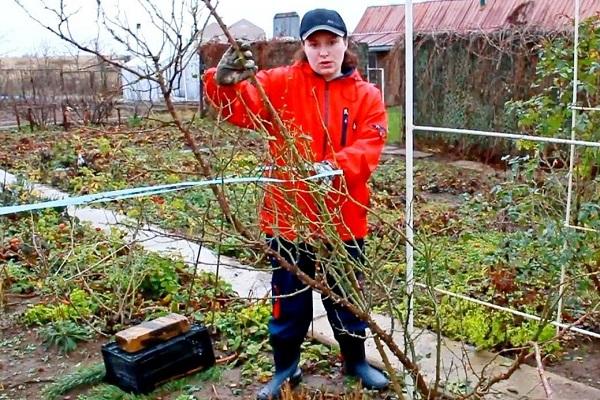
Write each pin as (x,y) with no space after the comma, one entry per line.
(24,96)
(31,75)
(201,107)
(86,116)
(65,114)
(54,112)
(43,115)
(118,117)
(30,118)
(18,117)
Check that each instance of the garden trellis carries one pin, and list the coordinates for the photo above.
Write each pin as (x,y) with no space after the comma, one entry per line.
(411,128)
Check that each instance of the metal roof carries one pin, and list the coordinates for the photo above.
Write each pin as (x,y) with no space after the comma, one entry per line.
(381,26)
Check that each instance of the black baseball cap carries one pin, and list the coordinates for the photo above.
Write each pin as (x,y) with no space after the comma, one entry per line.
(321,19)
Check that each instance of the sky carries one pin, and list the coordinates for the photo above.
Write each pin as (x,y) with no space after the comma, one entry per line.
(20,35)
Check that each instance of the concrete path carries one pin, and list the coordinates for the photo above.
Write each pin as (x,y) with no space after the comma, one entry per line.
(396,151)
(391,150)
(460,363)
(246,282)
(473,166)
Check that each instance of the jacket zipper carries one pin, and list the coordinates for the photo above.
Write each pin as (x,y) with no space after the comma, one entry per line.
(345,115)
(326,118)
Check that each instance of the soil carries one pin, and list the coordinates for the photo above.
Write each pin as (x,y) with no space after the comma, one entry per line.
(27,366)
(580,362)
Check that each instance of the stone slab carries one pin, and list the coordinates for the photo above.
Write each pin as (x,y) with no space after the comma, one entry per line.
(473,166)
(399,151)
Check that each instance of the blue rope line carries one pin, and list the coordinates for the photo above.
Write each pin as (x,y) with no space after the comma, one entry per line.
(122,194)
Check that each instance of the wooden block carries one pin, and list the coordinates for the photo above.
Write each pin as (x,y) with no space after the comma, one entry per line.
(147,333)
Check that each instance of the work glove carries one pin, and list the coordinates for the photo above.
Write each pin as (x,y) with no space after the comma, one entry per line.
(232,68)
(323,168)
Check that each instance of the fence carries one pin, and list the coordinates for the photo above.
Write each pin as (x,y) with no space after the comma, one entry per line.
(411,127)
(42,95)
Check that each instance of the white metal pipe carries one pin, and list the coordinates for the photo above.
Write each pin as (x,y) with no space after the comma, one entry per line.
(510,310)
(585,108)
(573,113)
(408,124)
(515,136)
(408,116)
(563,269)
(582,228)
(383,84)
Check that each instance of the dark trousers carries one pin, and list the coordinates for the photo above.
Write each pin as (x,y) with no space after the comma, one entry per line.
(292,313)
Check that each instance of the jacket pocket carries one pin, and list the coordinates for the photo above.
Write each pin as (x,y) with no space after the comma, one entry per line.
(345,118)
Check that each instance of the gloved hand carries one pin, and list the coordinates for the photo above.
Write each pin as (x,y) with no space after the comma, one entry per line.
(232,69)
(323,168)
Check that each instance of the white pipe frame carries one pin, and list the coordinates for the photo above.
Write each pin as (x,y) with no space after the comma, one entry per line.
(509,310)
(586,108)
(515,136)
(408,124)
(409,207)
(563,268)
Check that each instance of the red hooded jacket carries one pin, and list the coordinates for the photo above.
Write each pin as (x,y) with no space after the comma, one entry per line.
(342,121)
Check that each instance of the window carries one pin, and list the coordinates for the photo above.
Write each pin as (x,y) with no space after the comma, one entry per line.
(372,59)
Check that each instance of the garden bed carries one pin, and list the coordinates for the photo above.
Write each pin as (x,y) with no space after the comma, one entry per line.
(491,234)
(61,302)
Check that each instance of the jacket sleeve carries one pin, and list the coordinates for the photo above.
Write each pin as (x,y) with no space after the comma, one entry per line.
(360,159)
(240,104)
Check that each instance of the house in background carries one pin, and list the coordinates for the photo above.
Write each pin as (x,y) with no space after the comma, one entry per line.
(185,78)
(242,29)
(382,27)
(286,25)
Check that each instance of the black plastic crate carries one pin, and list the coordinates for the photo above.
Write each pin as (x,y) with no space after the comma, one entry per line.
(143,371)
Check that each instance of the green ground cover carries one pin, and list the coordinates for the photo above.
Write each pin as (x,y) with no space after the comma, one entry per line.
(492,235)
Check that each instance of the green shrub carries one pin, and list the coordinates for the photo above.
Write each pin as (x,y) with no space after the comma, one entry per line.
(161,277)
(64,335)
(80,305)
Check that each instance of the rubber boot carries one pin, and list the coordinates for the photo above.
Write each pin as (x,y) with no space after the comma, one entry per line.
(286,370)
(355,363)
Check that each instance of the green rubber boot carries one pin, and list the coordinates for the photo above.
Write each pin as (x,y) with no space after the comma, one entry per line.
(286,370)
(355,363)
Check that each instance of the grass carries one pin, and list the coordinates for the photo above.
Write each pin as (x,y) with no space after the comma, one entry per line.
(88,375)
(395,124)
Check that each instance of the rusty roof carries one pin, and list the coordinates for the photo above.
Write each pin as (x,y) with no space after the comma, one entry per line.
(381,26)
